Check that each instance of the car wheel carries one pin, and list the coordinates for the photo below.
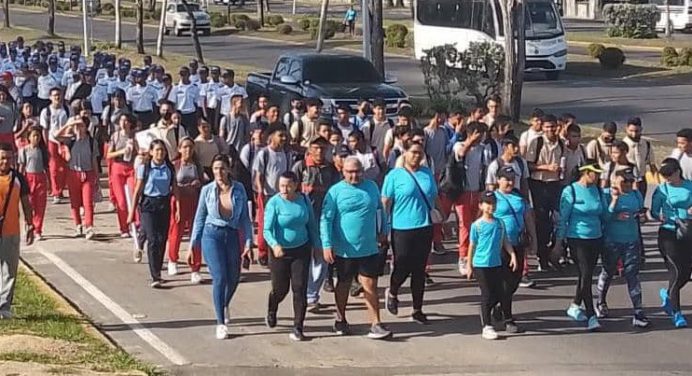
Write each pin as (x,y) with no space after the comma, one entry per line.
(552,76)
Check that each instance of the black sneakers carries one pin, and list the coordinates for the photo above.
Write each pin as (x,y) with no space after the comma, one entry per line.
(342,328)
(420,318)
(270,320)
(391,303)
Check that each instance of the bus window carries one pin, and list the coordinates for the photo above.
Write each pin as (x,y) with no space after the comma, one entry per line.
(462,14)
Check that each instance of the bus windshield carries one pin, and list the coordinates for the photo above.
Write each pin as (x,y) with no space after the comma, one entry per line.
(541,20)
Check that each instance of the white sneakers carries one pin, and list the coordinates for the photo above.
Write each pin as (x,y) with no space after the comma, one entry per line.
(221,332)
(90,233)
(137,255)
(78,231)
(172,268)
(489,333)
(196,278)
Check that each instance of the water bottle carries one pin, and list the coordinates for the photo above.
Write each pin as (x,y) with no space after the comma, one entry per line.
(127,157)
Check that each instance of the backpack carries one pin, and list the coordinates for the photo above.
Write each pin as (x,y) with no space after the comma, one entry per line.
(517,160)
(540,141)
(453,178)
(371,126)
(494,149)
(611,168)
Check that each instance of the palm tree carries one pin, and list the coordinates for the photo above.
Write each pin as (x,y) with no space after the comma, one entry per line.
(6,10)
(118,26)
(139,40)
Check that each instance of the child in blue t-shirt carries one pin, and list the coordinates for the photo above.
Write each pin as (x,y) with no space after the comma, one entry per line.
(487,239)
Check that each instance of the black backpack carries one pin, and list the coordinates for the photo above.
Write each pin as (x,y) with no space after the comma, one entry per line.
(453,179)
(539,146)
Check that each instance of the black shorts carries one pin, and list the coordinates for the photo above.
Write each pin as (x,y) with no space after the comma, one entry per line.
(348,268)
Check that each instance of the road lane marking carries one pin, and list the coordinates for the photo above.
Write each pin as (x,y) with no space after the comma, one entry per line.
(145,334)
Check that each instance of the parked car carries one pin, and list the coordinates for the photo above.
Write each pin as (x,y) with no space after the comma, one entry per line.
(179,21)
(335,79)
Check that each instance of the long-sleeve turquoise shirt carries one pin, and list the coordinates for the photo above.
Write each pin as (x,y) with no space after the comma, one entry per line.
(349,223)
(582,212)
(672,202)
(290,223)
(623,230)
(208,212)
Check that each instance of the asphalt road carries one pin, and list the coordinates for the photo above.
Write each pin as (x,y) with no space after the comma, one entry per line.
(663,107)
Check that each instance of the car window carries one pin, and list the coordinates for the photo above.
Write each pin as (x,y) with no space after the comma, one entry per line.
(193,8)
(295,70)
(282,68)
(171,8)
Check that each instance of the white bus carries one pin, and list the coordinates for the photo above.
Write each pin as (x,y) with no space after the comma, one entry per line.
(460,22)
(680,14)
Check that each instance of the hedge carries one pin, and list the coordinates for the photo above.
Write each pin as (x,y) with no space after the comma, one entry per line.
(630,20)
(595,50)
(395,35)
(284,29)
(612,58)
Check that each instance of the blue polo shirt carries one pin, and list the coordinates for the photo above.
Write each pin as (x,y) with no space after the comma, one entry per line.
(158,183)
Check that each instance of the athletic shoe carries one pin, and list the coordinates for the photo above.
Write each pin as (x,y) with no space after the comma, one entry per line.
(665,302)
(640,321)
(679,320)
(78,231)
(172,268)
(489,333)
(526,282)
(297,335)
(5,315)
(137,255)
(512,328)
(463,269)
(270,320)
(379,331)
(195,278)
(356,289)
(341,328)
(576,313)
(38,237)
(328,285)
(221,332)
(90,233)
(593,324)
(602,310)
(428,280)
(155,284)
(391,303)
(125,235)
(438,249)
(420,318)
(57,200)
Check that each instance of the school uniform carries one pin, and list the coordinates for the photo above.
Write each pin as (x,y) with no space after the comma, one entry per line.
(185,97)
(142,100)
(52,120)
(35,168)
(82,178)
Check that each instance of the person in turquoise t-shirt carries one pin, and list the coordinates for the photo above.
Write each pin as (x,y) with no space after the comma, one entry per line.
(581,222)
(672,202)
(488,238)
(290,229)
(352,225)
(622,243)
(350,20)
(410,191)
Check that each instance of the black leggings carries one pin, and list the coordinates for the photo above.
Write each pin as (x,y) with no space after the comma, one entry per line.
(586,252)
(492,284)
(411,249)
(292,270)
(155,214)
(677,257)
(511,278)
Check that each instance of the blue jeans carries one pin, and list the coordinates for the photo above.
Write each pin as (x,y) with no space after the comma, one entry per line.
(318,271)
(221,250)
(630,255)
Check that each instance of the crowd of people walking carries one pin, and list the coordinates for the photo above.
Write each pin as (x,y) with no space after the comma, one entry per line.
(336,202)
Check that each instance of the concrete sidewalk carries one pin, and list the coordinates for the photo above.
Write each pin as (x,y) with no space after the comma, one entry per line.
(175,327)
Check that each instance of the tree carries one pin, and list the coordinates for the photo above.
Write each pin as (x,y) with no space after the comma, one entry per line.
(162,26)
(260,12)
(152,6)
(193,32)
(139,38)
(6,10)
(377,37)
(118,26)
(51,17)
(400,3)
(513,17)
(322,26)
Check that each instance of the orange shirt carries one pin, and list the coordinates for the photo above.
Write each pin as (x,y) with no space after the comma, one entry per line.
(11,223)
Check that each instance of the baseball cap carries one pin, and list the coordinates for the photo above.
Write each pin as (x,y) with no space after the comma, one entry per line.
(488,197)
(342,151)
(215,69)
(626,173)
(590,165)
(507,172)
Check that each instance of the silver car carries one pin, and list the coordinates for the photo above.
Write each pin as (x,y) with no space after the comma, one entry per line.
(179,21)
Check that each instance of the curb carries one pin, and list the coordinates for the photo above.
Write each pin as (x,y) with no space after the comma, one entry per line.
(624,47)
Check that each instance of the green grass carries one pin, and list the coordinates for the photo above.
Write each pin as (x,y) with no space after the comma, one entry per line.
(601,37)
(38,314)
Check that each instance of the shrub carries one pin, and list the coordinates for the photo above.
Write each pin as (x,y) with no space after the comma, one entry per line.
(127,13)
(340,27)
(395,35)
(243,17)
(107,7)
(275,20)
(669,57)
(252,25)
(240,24)
(685,57)
(612,58)
(329,29)
(304,24)
(409,40)
(285,29)
(217,19)
(631,20)
(595,50)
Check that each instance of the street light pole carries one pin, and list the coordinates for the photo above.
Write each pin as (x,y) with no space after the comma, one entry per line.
(85,28)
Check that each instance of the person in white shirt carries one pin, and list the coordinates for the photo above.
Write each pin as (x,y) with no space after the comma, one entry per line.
(683,152)
(534,131)
(52,118)
(169,129)
(121,82)
(155,79)
(68,76)
(203,85)
(222,98)
(209,93)
(640,153)
(142,98)
(372,165)
(194,74)
(75,83)
(185,96)
(509,157)
(493,107)
(296,112)
(54,69)
(343,121)
(601,147)
(45,83)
